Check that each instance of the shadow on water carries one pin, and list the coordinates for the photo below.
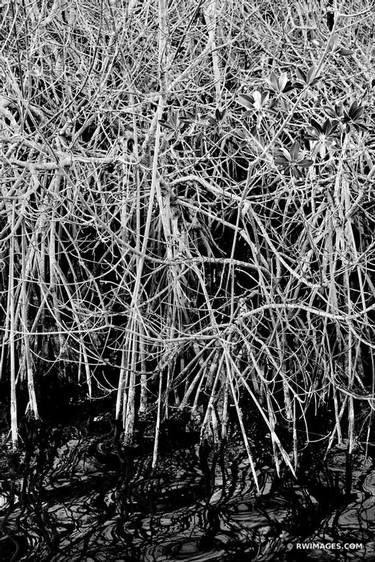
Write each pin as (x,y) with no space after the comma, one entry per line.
(73,493)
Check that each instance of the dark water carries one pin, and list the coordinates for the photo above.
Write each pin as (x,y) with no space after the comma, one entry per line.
(74,494)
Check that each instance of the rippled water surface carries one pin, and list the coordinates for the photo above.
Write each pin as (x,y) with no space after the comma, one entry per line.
(74,494)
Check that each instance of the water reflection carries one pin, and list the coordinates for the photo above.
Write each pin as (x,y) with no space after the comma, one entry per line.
(74,495)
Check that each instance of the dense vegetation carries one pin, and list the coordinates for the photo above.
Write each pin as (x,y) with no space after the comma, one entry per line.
(186,210)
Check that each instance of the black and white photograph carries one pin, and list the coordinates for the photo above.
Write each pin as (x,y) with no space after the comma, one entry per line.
(187,280)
